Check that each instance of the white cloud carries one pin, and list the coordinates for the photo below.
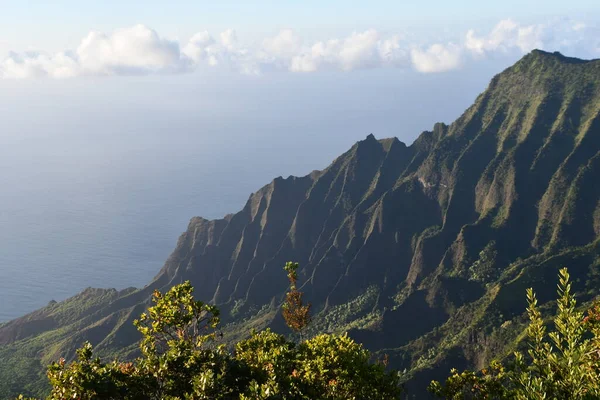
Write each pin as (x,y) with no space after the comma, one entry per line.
(358,51)
(506,36)
(133,50)
(392,52)
(35,64)
(437,58)
(203,50)
(229,39)
(199,48)
(572,37)
(285,45)
(141,50)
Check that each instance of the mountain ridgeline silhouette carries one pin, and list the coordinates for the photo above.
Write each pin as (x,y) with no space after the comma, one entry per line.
(421,252)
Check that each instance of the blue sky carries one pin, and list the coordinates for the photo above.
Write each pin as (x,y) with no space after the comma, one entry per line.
(272,13)
(54,25)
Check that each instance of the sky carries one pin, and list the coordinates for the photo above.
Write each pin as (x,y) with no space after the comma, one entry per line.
(77,17)
(65,39)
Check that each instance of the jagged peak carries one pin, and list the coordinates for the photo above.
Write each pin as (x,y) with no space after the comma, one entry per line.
(389,143)
(195,221)
(427,139)
(315,173)
(543,63)
(228,217)
(555,56)
(367,148)
(539,63)
(369,142)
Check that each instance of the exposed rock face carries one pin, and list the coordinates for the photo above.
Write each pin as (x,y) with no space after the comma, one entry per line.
(421,251)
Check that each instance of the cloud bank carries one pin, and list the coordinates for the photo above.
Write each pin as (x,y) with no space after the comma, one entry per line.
(139,50)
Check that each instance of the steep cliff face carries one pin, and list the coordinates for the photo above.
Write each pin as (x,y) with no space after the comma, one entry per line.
(515,174)
(422,252)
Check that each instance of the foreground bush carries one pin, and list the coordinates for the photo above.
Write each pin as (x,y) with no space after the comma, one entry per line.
(324,367)
(182,360)
(562,364)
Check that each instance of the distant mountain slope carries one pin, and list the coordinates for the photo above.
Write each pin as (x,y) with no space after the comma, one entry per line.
(422,252)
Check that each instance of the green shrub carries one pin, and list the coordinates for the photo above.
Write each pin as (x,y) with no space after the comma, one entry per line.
(180,359)
(562,364)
